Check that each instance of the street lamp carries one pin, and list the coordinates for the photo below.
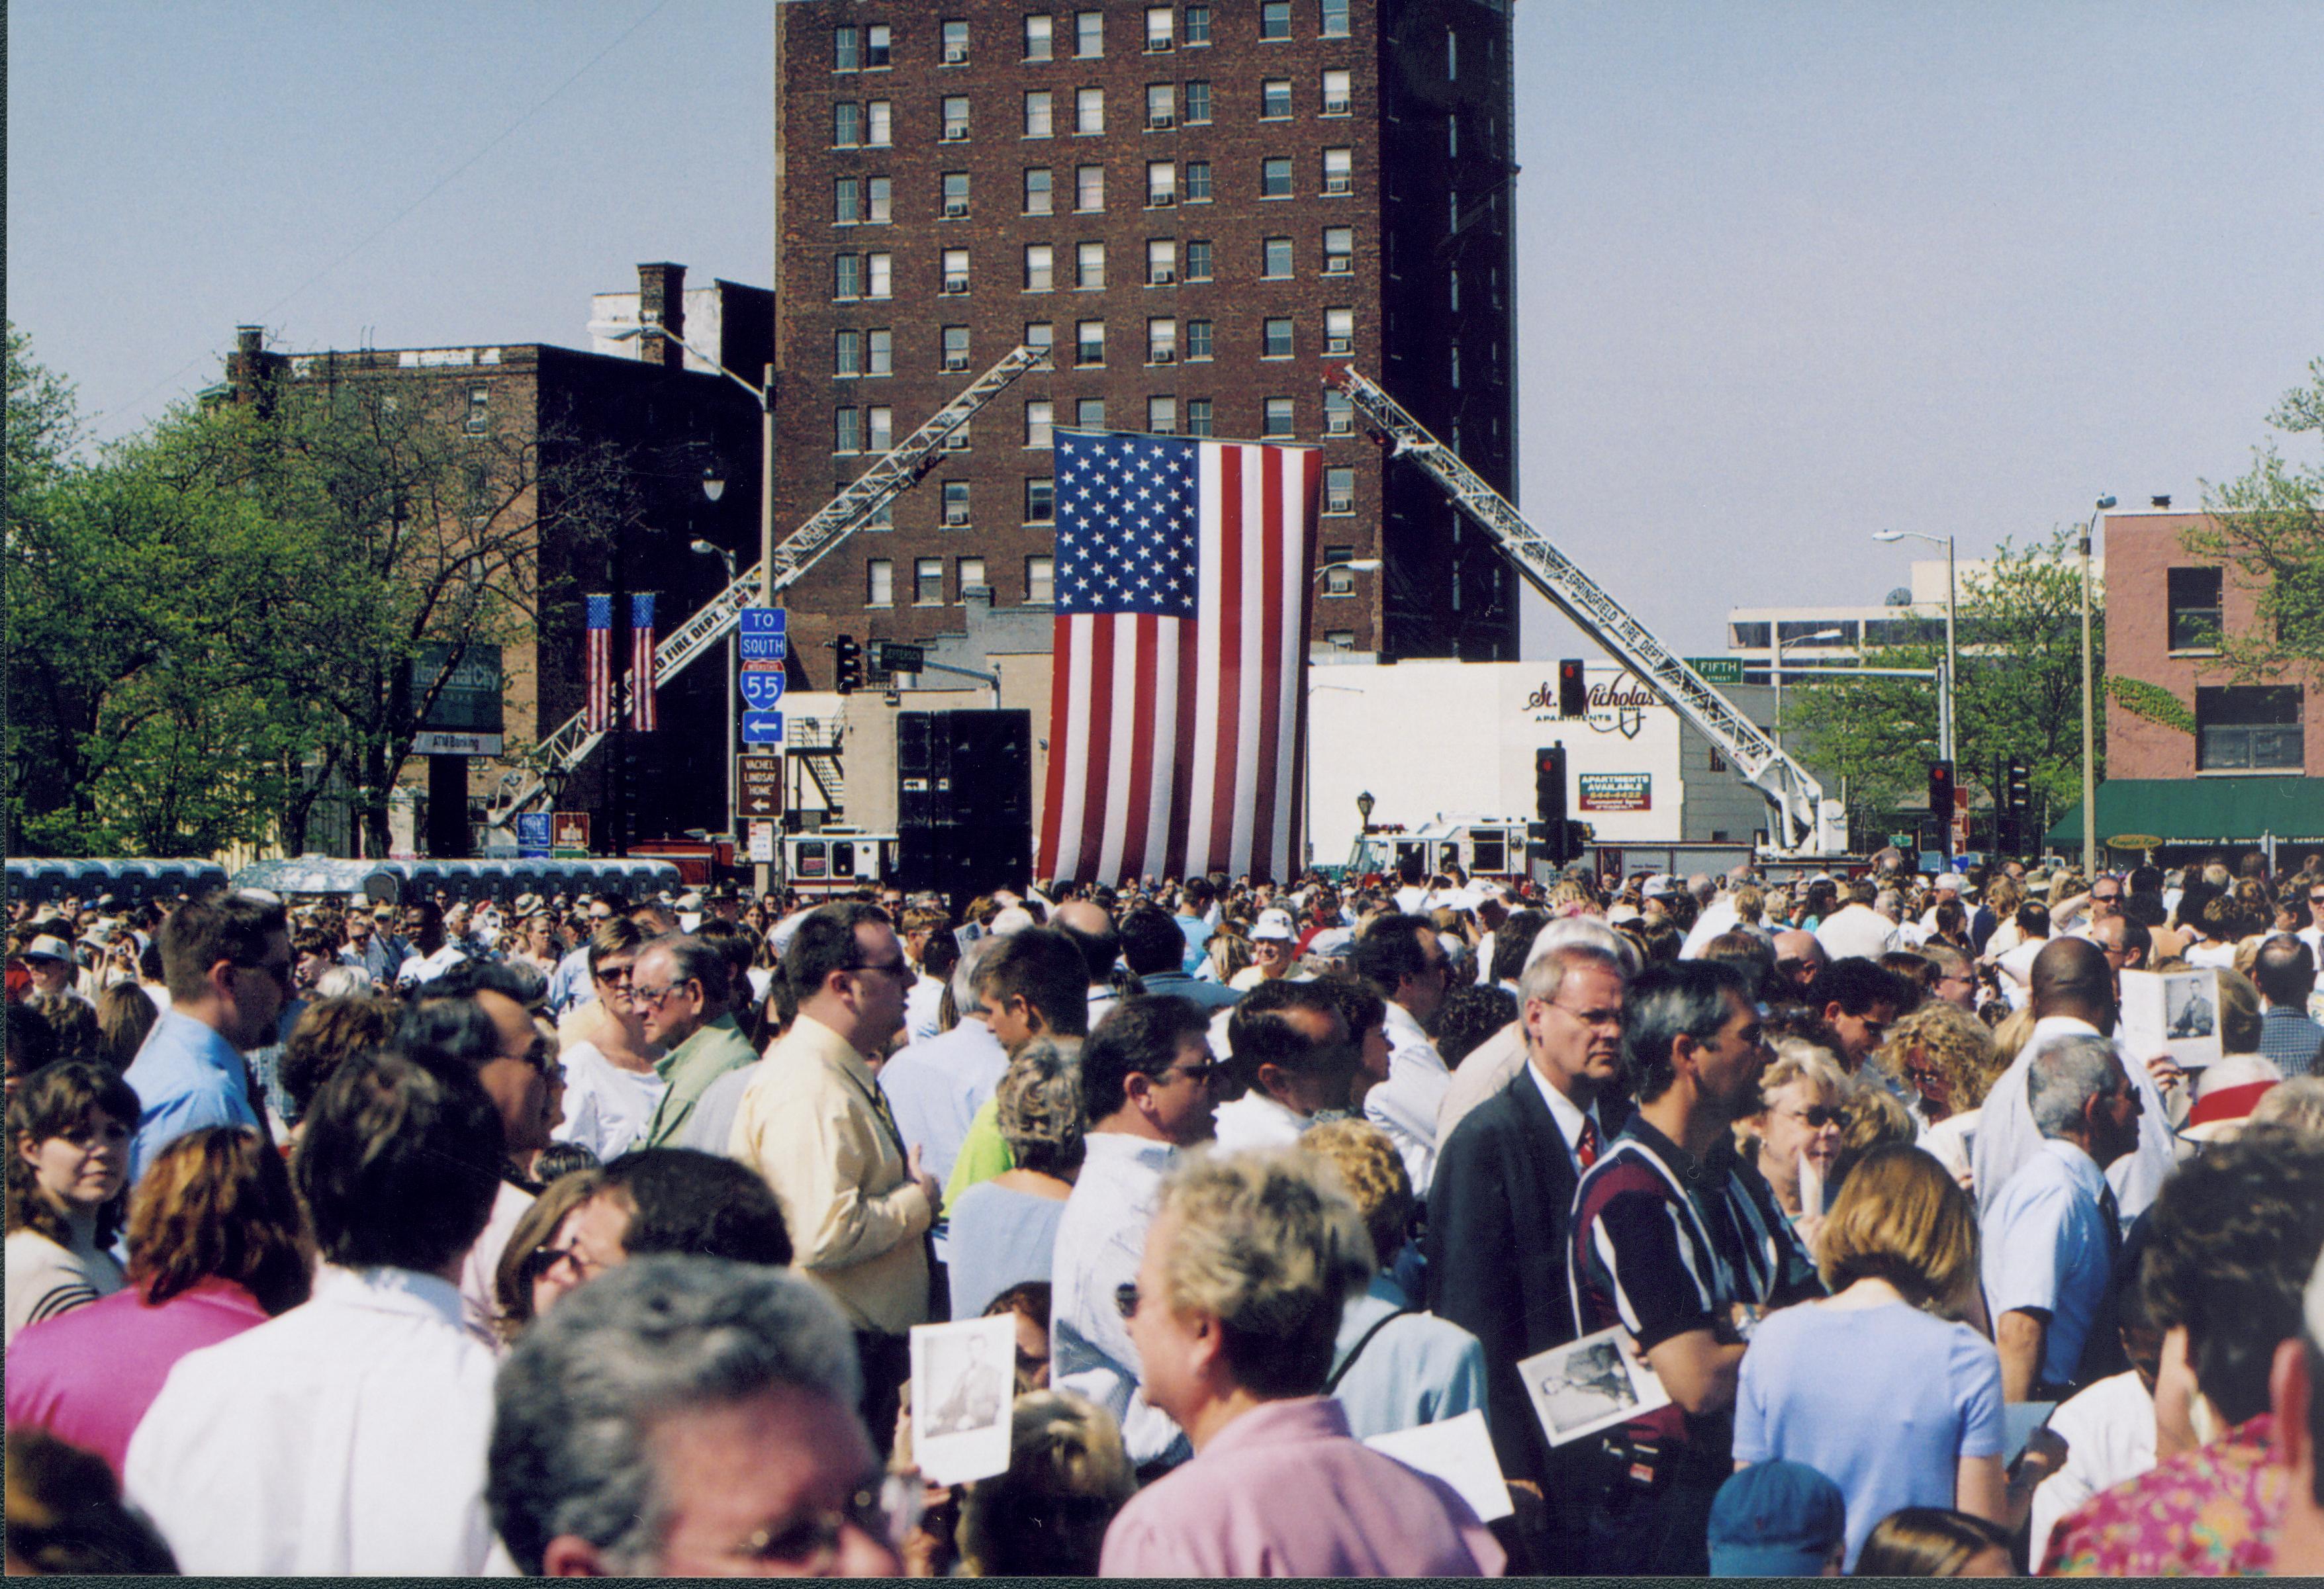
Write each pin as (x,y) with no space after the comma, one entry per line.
(764,393)
(1776,668)
(1947,749)
(2089,749)
(1351,565)
(1364,804)
(714,488)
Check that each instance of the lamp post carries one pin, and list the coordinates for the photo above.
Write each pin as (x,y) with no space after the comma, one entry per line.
(2089,742)
(1776,668)
(1948,748)
(764,394)
(713,489)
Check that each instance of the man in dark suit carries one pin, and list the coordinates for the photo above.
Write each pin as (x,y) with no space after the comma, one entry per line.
(1498,1214)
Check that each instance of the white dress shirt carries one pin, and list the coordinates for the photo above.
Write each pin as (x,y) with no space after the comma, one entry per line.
(1856,930)
(923,1008)
(606,1108)
(1405,1105)
(1256,1121)
(347,1436)
(2110,1434)
(2007,1138)
(479,1272)
(1100,1241)
(1570,1117)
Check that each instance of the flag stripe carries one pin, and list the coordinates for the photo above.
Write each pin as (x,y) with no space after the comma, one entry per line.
(1226,785)
(1062,642)
(1097,734)
(1268,644)
(1129,856)
(1181,769)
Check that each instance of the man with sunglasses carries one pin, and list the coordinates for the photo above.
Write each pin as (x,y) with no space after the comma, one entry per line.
(227,962)
(682,989)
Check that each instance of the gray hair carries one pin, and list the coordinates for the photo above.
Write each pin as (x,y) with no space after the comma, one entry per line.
(1038,1108)
(964,974)
(2065,1077)
(576,1403)
(1685,999)
(697,959)
(2298,1102)
(1544,976)
(340,981)
(1590,930)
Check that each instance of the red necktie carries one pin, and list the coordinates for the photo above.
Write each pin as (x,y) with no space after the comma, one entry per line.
(1586,1148)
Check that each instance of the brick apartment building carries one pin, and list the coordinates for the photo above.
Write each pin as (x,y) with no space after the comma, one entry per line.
(666,420)
(1197,206)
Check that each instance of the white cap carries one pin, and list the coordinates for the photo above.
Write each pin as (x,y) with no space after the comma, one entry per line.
(1015,919)
(1275,925)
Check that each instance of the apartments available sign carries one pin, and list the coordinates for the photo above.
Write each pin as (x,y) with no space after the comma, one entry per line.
(1617,791)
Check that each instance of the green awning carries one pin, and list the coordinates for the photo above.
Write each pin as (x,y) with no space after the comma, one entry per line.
(2200,810)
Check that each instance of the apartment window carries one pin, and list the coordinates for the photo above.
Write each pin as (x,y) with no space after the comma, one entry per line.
(1275,99)
(846,49)
(1274,18)
(1198,259)
(879,582)
(1089,34)
(2195,611)
(1452,211)
(1339,491)
(1089,343)
(847,124)
(1037,191)
(1198,416)
(1161,183)
(1037,123)
(1198,181)
(1089,189)
(847,430)
(1453,135)
(1041,267)
(846,201)
(956,195)
(878,276)
(1198,25)
(2249,728)
(1198,104)
(955,347)
(956,504)
(1335,19)
(1339,93)
(955,270)
(971,575)
(1040,416)
(1452,287)
(480,403)
(956,43)
(1275,177)
(928,582)
(1162,416)
(1161,29)
(877,205)
(1274,339)
(1339,250)
(1199,339)
(1339,331)
(1340,639)
(1279,418)
(879,352)
(1338,579)
(878,429)
(1275,259)
(1040,582)
(1040,500)
(1161,106)
(1040,336)
(847,276)
(1454,349)
(1162,342)
(1339,170)
(1451,56)
(1089,110)
(1040,38)
(955,119)
(847,352)
(1161,261)
(879,124)
(1089,414)
(1338,413)
(1089,266)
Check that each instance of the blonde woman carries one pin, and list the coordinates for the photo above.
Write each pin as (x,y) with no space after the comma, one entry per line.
(1795,1141)
(1945,1057)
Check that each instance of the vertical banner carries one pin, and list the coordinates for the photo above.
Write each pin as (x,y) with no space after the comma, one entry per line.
(642,715)
(597,665)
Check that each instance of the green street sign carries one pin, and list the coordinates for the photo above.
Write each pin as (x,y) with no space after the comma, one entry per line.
(1718,670)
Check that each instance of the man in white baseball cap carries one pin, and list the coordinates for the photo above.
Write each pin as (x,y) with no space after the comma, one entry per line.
(1271,959)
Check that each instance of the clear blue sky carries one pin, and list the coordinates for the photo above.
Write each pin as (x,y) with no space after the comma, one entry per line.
(1790,273)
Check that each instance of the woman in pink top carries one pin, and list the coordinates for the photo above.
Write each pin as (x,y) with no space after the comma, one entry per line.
(215,1247)
(1247,1268)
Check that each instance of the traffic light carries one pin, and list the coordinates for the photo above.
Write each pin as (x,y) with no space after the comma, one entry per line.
(846,664)
(1549,786)
(2016,805)
(1537,841)
(1941,804)
(1573,698)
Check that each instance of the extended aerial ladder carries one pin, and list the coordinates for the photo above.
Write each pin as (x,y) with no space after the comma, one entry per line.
(526,787)
(1804,822)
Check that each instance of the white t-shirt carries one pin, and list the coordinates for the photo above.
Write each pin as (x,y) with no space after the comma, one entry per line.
(606,1108)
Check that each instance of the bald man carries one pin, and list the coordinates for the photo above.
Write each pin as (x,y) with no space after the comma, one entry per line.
(1799,956)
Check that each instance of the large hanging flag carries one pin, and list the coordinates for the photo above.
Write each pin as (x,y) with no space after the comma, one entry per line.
(597,666)
(1176,705)
(642,716)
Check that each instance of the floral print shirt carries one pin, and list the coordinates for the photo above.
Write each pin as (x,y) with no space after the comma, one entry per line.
(2211,1512)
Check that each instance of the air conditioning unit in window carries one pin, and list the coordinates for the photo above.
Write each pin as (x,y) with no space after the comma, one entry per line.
(955,55)
(1335,108)
(956,518)
(955,361)
(1159,46)
(1339,265)
(1339,424)
(1163,276)
(1162,123)
(956,284)
(1161,200)
(1338,182)
(1338,344)
(955,209)
(955,134)
(1164,355)
(957,442)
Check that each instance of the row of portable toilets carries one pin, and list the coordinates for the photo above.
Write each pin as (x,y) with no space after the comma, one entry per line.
(384,882)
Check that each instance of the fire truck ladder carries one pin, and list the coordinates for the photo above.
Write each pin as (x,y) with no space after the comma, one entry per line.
(526,788)
(1804,822)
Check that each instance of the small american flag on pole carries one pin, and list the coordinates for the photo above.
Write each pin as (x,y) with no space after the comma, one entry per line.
(597,666)
(1175,702)
(642,715)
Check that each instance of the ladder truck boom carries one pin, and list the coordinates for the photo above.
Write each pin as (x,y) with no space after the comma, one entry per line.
(1805,822)
(524,788)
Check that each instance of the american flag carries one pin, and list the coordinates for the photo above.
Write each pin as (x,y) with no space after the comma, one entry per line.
(642,716)
(597,668)
(1176,706)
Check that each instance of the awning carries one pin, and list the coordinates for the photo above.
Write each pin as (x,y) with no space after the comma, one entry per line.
(2136,813)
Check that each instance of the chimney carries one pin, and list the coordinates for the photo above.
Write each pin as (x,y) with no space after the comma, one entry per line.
(661,302)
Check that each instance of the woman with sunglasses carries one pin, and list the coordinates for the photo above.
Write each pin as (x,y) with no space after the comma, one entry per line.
(1795,1141)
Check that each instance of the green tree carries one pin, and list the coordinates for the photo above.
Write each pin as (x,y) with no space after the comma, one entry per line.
(2268,527)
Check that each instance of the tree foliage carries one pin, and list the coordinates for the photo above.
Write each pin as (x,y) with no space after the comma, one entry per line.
(2268,527)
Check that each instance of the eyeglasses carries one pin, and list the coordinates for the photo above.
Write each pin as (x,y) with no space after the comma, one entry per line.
(655,996)
(1201,1075)
(893,968)
(809,1543)
(1818,1116)
(540,1260)
(616,977)
(1602,1020)
(1125,1300)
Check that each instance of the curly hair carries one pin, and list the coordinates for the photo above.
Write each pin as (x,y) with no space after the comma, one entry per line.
(56,1101)
(1046,1515)
(1960,1044)
(74,1021)
(1374,1177)
(1270,1245)
(217,1204)
(1038,1105)
(327,1034)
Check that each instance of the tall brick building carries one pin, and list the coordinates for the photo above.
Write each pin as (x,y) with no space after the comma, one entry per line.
(1198,206)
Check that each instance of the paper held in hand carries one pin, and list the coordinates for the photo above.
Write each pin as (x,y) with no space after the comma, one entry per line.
(1590,1384)
(1459,1451)
(963,1386)
(2174,1013)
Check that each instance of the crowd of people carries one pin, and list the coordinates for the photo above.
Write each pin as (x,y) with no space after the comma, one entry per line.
(589,1236)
